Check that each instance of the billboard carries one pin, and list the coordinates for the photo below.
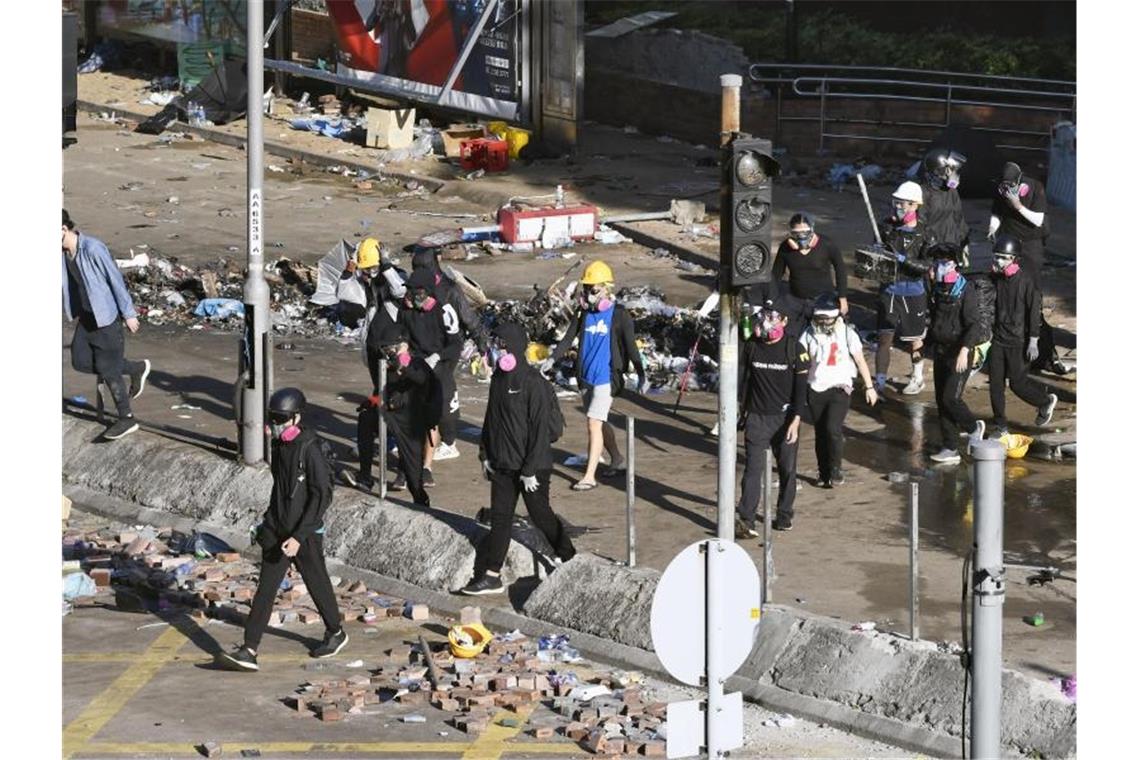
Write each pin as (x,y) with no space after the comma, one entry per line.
(410,48)
(179,21)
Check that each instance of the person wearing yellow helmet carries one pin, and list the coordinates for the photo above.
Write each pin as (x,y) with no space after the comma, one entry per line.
(354,291)
(607,345)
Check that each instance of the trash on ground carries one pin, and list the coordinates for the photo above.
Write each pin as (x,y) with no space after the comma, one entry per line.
(841,174)
(780,721)
(864,626)
(76,585)
(220,308)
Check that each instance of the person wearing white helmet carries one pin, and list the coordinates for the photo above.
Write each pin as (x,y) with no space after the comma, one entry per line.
(902,311)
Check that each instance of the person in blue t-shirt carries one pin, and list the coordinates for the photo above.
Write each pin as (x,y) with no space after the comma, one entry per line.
(606,347)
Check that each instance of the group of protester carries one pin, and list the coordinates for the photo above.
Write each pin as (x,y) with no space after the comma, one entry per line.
(799,360)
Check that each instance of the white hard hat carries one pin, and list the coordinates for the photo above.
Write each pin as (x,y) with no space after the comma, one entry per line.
(909,191)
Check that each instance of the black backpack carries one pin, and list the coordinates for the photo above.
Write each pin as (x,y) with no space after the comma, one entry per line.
(326,451)
(987,304)
(557,421)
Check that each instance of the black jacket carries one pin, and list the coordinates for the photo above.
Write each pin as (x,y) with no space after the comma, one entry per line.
(810,274)
(1013,223)
(913,244)
(1017,307)
(955,322)
(623,348)
(299,499)
(941,213)
(516,430)
(413,397)
(435,331)
(449,293)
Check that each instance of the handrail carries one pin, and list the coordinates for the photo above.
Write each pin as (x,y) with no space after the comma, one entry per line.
(897,70)
(941,85)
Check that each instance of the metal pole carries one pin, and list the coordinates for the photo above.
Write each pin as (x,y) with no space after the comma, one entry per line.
(989,598)
(468,46)
(715,742)
(630,528)
(914,561)
(766,500)
(382,430)
(256,291)
(726,397)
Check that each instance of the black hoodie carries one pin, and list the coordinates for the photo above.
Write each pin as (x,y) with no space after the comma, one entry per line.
(299,499)
(450,294)
(941,213)
(1018,304)
(516,431)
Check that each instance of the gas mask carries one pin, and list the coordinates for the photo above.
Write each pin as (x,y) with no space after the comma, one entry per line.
(396,357)
(770,326)
(597,299)
(283,431)
(1006,265)
(423,300)
(903,216)
(802,239)
(824,324)
(949,174)
(499,356)
(945,272)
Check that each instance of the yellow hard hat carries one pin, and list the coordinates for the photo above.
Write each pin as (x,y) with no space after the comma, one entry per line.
(475,632)
(368,253)
(597,273)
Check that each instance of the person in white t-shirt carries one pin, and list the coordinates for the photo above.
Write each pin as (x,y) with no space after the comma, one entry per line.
(836,358)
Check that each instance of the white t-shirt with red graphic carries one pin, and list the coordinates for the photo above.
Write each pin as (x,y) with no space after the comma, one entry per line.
(832,356)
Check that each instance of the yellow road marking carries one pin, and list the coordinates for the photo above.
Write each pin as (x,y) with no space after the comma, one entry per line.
(134,656)
(112,699)
(175,748)
(492,742)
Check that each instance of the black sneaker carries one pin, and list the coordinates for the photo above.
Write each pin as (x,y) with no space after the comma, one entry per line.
(240,659)
(138,380)
(823,481)
(125,426)
(333,643)
(838,477)
(399,484)
(1045,411)
(486,584)
(782,522)
(743,530)
(1058,367)
(429,481)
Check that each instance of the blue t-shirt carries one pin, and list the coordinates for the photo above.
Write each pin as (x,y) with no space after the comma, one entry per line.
(596,347)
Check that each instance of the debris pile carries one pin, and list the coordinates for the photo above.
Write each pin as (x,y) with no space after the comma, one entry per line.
(604,712)
(166,570)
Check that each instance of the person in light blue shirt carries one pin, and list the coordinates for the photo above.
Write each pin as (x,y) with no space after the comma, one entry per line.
(95,295)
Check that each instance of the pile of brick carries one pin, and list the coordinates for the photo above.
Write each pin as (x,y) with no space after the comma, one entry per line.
(605,713)
(145,573)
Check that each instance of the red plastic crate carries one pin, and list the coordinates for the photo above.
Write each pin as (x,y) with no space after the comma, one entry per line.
(484,153)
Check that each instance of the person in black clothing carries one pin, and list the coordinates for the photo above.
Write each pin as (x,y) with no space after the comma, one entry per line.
(1021,210)
(773,388)
(433,332)
(516,457)
(450,296)
(814,266)
(1015,336)
(292,530)
(955,330)
(941,210)
(412,406)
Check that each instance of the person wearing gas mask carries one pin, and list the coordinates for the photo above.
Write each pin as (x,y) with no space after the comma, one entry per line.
(355,290)
(1016,337)
(292,529)
(772,384)
(903,303)
(836,357)
(470,325)
(518,430)
(412,404)
(814,266)
(941,210)
(1020,209)
(433,330)
(956,329)
(607,345)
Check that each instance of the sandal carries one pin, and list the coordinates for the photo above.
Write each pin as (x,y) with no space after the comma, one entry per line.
(613,472)
(582,486)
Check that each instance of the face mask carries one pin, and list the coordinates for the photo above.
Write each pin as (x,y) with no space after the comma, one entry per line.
(284,431)
(952,181)
(771,330)
(1008,187)
(906,218)
(803,239)
(1006,265)
(598,301)
(946,272)
(423,301)
(824,326)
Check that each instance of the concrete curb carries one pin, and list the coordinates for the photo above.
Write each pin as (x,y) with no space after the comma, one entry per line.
(873,684)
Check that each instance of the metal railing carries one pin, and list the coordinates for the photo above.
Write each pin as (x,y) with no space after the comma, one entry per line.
(889,84)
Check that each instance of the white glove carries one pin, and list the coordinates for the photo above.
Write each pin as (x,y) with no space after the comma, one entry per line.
(432,360)
(643,386)
(546,366)
(488,470)
(1032,352)
(530,483)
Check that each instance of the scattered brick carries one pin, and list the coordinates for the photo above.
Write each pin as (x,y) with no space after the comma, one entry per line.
(210,749)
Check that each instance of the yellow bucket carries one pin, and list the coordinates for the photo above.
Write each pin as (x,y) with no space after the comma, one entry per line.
(516,138)
(498,129)
(476,631)
(537,352)
(1016,444)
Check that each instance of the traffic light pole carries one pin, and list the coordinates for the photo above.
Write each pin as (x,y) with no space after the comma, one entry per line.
(255,294)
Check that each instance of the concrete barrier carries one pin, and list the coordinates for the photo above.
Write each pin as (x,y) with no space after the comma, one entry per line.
(875,684)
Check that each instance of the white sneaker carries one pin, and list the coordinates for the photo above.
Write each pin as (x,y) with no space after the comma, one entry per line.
(979,430)
(446,451)
(947,456)
(915,386)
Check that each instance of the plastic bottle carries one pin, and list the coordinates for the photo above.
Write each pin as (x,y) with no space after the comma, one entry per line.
(559,197)
(746,326)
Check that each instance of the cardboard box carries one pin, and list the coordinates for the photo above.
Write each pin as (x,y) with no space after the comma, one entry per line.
(457,133)
(390,128)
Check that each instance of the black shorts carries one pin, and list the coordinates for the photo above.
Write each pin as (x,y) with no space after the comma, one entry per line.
(906,315)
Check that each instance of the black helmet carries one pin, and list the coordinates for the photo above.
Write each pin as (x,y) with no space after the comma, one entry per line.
(943,165)
(826,305)
(945,252)
(1007,245)
(285,403)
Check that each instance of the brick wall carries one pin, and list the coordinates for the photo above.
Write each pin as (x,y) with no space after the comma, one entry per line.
(314,36)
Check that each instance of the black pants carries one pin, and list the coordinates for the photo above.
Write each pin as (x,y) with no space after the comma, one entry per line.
(310,561)
(349,314)
(953,414)
(505,490)
(410,445)
(449,422)
(99,351)
(1007,362)
(828,410)
(367,428)
(760,432)
(1032,260)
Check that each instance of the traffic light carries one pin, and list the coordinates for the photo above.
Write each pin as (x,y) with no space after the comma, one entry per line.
(747,172)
